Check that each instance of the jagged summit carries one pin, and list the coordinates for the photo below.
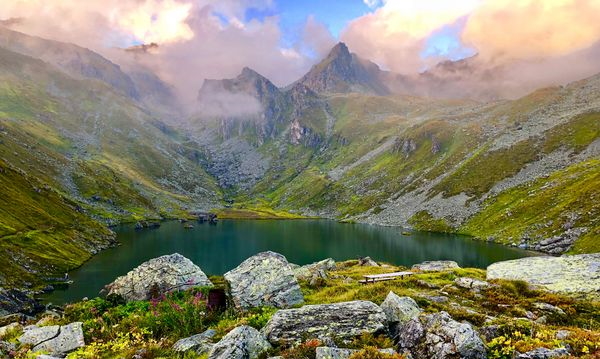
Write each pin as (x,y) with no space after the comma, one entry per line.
(342,71)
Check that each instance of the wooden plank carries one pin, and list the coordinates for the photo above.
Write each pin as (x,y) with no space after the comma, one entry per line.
(372,278)
(388,275)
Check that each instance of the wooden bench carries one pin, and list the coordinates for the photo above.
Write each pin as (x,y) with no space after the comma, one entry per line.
(372,278)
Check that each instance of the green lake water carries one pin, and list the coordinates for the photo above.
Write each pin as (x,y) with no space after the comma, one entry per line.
(221,247)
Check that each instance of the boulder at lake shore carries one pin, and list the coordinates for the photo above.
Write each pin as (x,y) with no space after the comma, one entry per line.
(163,274)
(317,269)
(241,343)
(344,321)
(435,266)
(54,339)
(577,274)
(441,337)
(265,279)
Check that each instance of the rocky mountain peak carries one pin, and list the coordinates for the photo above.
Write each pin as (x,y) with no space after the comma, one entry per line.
(343,72)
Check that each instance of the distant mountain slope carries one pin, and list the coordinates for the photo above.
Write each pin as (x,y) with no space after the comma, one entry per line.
(72,150)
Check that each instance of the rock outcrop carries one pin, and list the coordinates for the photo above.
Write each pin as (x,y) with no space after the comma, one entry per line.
(241,343)
(341,320)
(16,301)
(577,275)
(435,266)
(159,275)
(441,337)
(54,339)
(265,279)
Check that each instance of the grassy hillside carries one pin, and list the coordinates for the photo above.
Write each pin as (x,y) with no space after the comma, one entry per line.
(74,154)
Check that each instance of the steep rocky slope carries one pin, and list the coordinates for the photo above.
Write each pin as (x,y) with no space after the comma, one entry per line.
(520,172)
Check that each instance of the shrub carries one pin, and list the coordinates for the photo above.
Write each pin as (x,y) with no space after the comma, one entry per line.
(374,353)
(306,350)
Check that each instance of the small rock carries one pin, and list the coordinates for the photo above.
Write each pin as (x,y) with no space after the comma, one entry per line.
(437,298)
(340,353)
(241,343)
(265,279)
(490,332)
(471,283)
(549,308)
(367,262)
(435,266)
(159,275)
(345,321)
(544,353)
(200,343)
(562,334)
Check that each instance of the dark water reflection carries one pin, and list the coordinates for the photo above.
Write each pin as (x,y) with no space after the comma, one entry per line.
(219,248)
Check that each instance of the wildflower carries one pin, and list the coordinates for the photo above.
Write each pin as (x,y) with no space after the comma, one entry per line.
(197,298)
(176,307)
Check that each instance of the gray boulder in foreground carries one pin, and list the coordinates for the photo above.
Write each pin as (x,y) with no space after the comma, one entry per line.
(166,273)
(441,337)
(340,320)
(339,353)
(199,343)
(577,274)
(54,339)
(241,343)
(265,279)
(435,266)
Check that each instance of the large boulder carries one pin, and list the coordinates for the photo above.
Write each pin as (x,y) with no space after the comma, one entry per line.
(265,279)
(441,337)
(317,269)
(341,320)
(435,266)
(54,339)
(241,343)
(340,353)
(578,274)
(159,275)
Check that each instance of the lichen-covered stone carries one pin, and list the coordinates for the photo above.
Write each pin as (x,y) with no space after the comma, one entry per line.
(576,275)
(309,271)
(400,309)
(241,343)
(471,283)
(163,274)
(435,266)
(340,320)
(265,279)
(54,339)
(199,343)
(441,337)
(341,353)
(544,353)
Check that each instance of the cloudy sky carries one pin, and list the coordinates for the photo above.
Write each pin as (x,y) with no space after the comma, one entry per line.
(283,38)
